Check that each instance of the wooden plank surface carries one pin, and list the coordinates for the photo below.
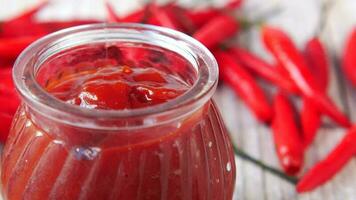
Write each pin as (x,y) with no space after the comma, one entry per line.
(300,18)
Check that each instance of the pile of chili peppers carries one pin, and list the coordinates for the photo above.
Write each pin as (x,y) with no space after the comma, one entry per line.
(299,73)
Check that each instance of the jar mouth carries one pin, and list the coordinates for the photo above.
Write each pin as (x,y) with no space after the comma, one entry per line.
(33,94)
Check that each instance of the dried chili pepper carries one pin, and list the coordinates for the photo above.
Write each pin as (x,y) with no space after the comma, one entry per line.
(264,69)
(349,58)
(334,162)
(217,30)
(244,86)
(284,50)
(286,136)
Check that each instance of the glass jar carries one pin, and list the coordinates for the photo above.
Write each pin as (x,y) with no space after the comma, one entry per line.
(174,150)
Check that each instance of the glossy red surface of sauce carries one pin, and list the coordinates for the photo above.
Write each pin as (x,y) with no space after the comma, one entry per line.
(116,87)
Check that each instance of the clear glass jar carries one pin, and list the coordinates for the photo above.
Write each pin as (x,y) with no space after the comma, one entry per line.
(175,150)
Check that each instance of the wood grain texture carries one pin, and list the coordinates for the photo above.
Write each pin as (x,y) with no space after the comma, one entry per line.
(301,19)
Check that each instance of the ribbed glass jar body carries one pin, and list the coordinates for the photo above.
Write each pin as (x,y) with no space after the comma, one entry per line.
(176,150)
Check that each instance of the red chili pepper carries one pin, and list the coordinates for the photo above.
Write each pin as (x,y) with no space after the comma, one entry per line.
(201,17)
(164,17)
(217,30)
(134,17)
(349,58)
(287,139)
(284,50)
(10,48)
(264,69)
(317,59)
(310,121)
(7,88)
(334,162)
(180,15)
(244,86)
(5,125)
(21,22)
(9,100)
(234,4)
(9,104)
(111,14)
(40,28)
(18,23)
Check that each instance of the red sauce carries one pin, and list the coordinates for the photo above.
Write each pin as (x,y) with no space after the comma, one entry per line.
(116,87)
(190,158)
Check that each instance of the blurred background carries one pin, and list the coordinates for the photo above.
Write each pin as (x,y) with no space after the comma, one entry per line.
(258,171)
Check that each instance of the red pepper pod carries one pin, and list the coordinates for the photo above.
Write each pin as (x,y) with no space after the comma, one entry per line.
(334,162)
(10,48)
(111,14)
(316,57)
(288,56)
(326,106)
(9,100)
(234,4)
(286,136)
(200,17)
(310,121)
(5,125)
(134,17)
(9,104)
(217,30)
(41,28)
(164,17)
(264,69)
(21,22)
(244,86)
(349,58)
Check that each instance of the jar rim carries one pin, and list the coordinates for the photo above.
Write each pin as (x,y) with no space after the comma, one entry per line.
(38,99)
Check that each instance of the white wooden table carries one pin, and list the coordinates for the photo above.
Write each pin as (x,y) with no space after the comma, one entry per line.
(301,19)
